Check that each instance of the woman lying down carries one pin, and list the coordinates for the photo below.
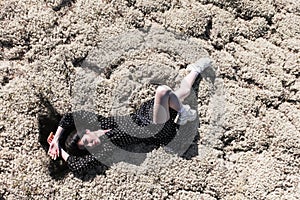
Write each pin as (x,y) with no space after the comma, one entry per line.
(165,111)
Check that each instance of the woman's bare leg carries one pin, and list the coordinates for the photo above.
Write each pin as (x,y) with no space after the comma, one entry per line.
(164,99)
(186,85)
(196,68)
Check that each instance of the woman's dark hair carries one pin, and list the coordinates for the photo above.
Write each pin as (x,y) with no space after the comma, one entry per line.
(71,144)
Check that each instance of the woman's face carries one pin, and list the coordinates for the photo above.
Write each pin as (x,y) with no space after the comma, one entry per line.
(88,140)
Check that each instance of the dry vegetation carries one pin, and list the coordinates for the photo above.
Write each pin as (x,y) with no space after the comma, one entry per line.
(249,150)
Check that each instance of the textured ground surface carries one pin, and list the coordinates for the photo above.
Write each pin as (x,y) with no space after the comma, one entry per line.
(249,145)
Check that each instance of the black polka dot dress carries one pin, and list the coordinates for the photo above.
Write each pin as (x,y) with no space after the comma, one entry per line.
(79,165)
(135,132)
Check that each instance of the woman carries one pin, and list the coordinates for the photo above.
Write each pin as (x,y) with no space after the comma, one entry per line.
(164,114)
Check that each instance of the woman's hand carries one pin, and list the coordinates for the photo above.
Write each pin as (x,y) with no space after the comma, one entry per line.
(92,138)
(98,133)
(53,151)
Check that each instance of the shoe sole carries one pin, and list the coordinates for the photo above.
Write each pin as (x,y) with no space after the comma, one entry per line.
(184,122)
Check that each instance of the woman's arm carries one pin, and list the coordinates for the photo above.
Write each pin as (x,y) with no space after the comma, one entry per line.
(54,149)
(67,122)
(51,139)
(64,155)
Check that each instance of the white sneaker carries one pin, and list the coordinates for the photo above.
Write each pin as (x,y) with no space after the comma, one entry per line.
(200,65)
(186,115)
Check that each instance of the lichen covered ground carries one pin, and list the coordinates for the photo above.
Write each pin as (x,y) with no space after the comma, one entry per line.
(248,102)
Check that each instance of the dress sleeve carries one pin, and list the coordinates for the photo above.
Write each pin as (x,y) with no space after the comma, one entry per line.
(79,165)
(67,121)
(80,120)
(107,122)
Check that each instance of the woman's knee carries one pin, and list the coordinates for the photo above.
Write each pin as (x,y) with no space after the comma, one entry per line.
(163,90)
(187,92)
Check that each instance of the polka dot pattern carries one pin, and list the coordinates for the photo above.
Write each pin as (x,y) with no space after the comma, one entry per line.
(130,132)
(78,165)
